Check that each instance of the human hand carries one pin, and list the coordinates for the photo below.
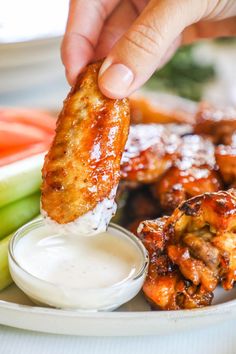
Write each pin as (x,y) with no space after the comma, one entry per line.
(137,36)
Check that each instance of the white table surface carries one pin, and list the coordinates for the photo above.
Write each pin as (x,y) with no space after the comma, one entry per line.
(214,340)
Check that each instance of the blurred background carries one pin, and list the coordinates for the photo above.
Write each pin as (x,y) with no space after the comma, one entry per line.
(32,74)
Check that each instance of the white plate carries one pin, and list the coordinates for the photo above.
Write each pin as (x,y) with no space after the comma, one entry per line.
(134,318)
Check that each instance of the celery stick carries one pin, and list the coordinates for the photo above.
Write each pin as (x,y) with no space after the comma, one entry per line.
(20,179)
(13,215)
(5,277)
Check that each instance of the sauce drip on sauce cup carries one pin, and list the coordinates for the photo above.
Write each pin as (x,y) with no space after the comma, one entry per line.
(96,273)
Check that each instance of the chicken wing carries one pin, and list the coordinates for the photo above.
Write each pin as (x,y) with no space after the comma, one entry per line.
(191,251)
(149,152)
(193,173)
(219,123)
(82,168)
(203,241)
(165,287)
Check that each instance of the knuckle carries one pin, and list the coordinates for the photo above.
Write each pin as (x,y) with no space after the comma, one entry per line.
(217,9)
(146,38)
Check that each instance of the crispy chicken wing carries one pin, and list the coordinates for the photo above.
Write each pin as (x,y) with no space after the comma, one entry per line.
(150,151)
(192,173)
(203,240)
(82,168)
(191,251)
(219,123)
(165,287)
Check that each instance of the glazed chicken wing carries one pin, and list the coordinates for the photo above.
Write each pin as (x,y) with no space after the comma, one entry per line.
(193,173)
(82,168)
(150,151)
(219,123)
(203,240)
(165,287)
(191,251)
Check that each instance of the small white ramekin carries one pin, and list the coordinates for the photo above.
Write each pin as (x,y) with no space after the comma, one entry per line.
(89,299)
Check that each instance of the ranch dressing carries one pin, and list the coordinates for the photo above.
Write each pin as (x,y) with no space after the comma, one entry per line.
(82,262)
(91,223)
(66,271)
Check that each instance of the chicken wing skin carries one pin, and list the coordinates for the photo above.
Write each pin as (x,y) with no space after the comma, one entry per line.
(165,287)
(149,152)
(219,123)
(82,167)
(203,241)
(193,173)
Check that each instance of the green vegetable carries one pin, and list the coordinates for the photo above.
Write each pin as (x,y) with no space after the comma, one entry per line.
(121,199)
(117,218)
(5,277)
(14,215)
(20,179)
(225,40)
(182,75)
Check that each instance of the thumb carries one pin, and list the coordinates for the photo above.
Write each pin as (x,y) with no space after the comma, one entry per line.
(140,51)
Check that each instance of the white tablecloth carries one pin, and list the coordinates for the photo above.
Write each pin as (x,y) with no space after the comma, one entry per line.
(214,340)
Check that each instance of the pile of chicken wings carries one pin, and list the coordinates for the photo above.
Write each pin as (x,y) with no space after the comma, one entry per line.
(178,172)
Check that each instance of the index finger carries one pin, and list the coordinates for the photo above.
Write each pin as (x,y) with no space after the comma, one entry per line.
(85,22)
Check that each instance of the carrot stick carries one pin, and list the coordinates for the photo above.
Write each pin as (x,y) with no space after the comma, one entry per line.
(40,119)
(8,158)
(17,134)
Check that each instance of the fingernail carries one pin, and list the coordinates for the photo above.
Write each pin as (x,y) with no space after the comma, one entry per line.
(116,79)
(71,79)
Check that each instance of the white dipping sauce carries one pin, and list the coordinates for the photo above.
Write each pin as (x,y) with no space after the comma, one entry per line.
(78,272)
(91,223)
(83,262)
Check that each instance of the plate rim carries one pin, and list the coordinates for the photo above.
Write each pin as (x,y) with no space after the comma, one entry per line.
(170,315)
